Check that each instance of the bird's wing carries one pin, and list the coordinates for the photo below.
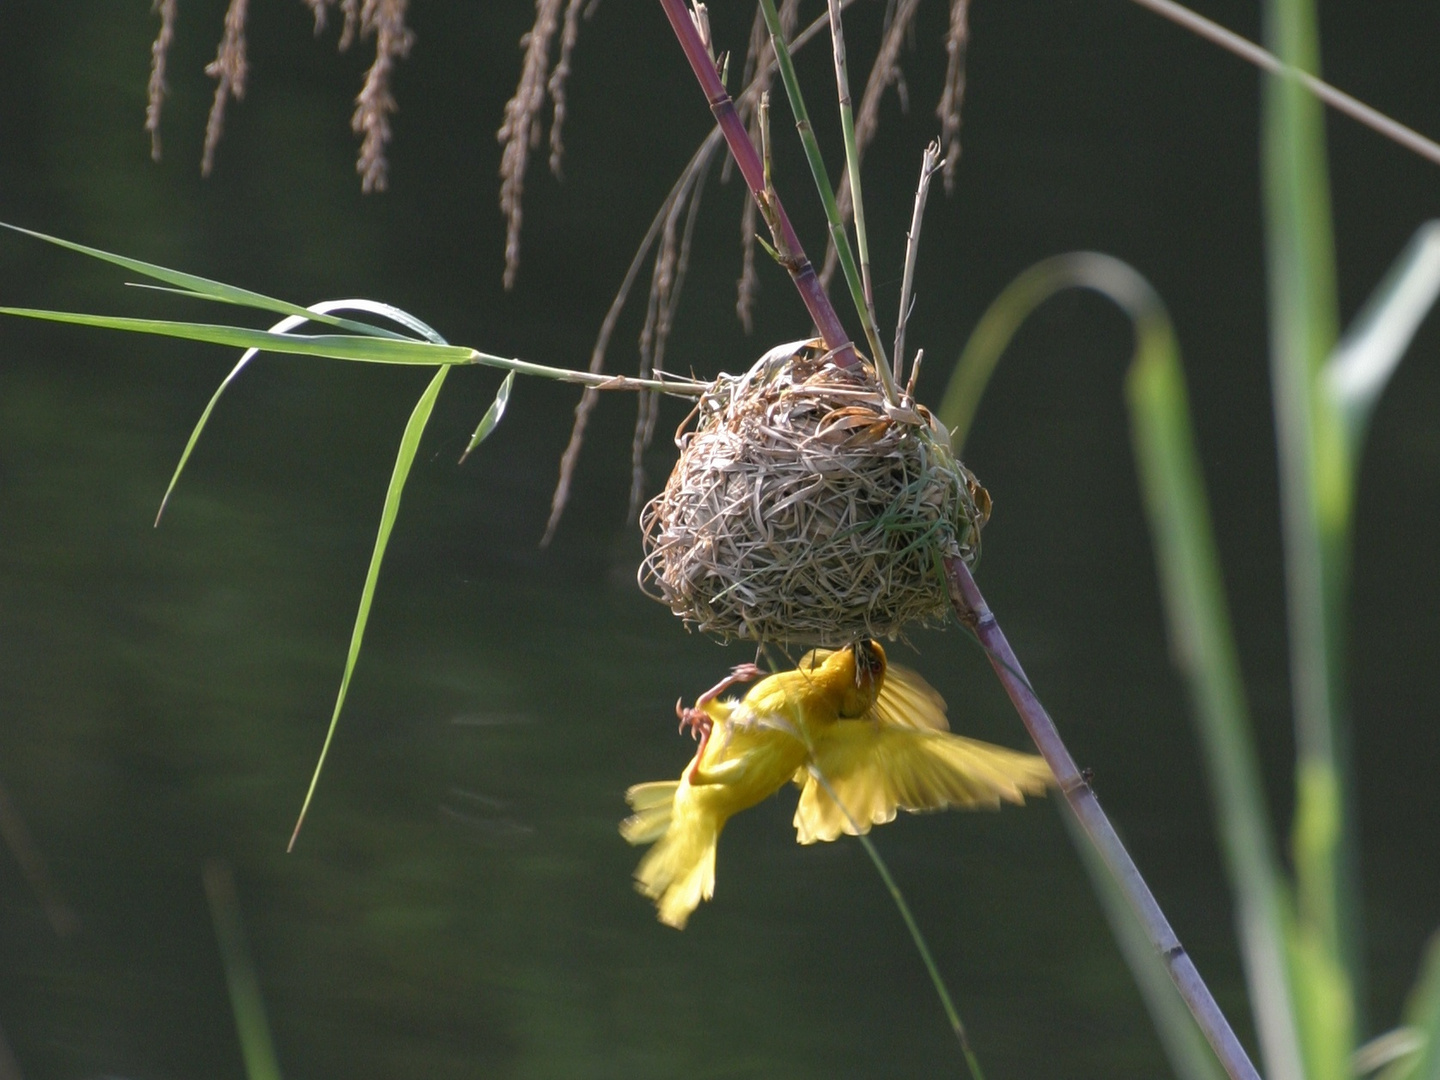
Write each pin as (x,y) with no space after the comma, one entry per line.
(876,769)
(906,700)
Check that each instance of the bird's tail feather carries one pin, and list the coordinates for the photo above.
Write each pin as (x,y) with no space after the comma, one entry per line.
(652,804)
(679,871)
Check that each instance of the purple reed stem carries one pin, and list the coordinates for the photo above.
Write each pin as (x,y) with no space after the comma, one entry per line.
(787,243)
(970,606)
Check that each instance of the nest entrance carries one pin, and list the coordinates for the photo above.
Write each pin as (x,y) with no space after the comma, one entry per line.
(805,510)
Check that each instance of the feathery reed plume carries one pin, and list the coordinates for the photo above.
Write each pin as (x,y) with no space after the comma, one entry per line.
(386,20)
(700,161)
(228,68)
(555,86)
(957,40)
(318,9)
(158,88)
(884,73)
(666,284)
(520,132)
(351,10)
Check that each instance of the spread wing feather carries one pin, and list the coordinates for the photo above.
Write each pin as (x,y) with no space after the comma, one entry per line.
(877,769)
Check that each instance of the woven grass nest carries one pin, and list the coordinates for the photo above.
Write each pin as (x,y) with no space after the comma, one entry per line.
(805,510)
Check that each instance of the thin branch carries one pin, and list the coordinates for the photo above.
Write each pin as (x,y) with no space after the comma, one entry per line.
(884,73)
(1267,61)
(852,164)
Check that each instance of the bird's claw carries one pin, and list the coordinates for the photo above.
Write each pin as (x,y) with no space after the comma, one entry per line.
(696,720)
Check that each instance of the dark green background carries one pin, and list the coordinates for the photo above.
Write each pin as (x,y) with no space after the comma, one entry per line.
(460,904)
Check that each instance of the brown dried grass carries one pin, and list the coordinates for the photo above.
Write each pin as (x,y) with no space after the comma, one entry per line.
(805,511)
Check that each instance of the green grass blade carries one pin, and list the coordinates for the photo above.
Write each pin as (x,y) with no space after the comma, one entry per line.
(1316,507)
(193,285)
(409,442)
(251,1026)
(1357,371)
(376,350)
(1203,645)
(492,416)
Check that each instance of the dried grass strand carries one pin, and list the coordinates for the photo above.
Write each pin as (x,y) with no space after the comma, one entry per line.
(157,89)
(228,69)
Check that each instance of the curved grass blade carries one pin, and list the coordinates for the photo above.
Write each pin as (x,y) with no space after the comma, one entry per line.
(492,416)
(289,323)
(1193,586)
(1361,365)
(409,442)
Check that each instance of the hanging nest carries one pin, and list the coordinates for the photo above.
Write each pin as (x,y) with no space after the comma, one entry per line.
(805,510)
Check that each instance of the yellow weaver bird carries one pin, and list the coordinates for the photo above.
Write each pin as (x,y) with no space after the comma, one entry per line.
(876,733)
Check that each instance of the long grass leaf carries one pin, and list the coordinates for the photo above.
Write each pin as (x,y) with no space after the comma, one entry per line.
(1422,1021)
(195,286)
(409,442)
(375,350)
(1357,371)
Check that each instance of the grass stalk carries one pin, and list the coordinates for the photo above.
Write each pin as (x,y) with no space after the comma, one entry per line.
(1267,61)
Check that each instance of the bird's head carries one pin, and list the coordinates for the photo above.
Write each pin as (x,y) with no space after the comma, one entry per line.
(866,662)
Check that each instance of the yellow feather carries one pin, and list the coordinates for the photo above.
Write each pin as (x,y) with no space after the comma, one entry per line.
(876,769)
